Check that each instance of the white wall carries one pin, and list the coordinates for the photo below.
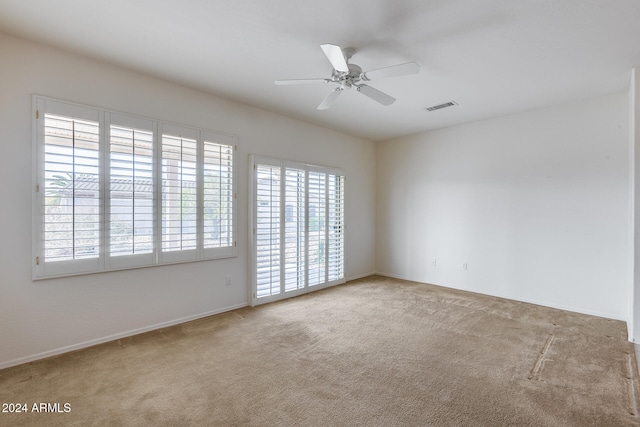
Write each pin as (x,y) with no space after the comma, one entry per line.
(537,205)
(49,316)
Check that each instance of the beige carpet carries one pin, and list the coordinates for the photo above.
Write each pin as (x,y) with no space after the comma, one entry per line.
(374,352)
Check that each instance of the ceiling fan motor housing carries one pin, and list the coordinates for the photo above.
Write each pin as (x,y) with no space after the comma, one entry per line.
(347,79)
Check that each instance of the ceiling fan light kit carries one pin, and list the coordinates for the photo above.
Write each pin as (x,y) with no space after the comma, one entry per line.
(348,75)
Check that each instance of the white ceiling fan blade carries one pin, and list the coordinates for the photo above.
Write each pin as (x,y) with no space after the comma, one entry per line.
(300,81)
(376,95)
(393,71)
(336,57)
(330,99)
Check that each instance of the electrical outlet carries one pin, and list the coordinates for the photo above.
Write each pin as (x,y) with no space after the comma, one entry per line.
(228,281)
(434,262)
(464,266)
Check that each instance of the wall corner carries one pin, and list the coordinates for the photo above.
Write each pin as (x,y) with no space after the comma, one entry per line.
(633,326)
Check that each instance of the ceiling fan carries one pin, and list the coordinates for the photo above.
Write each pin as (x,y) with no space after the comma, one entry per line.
(347,75)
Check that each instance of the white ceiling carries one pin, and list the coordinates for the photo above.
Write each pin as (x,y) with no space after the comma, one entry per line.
(493,57)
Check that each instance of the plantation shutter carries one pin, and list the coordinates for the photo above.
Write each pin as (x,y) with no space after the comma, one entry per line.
(295,233)
(335,239)
(179,158)
(316,254)
(218,194)
(114,191)
(267,230)
(69,233)
(131,192)
(297,214)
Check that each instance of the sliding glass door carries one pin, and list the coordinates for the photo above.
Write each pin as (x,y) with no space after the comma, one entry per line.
(297,215)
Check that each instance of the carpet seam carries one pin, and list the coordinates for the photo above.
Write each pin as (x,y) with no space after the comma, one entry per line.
(632,382)
(537,367)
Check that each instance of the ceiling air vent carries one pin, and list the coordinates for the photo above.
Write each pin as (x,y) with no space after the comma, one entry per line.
(441,106)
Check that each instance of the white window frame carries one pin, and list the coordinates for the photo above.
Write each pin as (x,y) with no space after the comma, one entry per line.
(256,160)
(104,261)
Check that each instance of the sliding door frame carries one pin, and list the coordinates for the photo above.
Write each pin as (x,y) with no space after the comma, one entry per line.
(254,162)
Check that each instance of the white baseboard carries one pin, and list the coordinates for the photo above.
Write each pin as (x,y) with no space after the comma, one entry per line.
(511,297)
(102,340)
(395,276)
(360,276)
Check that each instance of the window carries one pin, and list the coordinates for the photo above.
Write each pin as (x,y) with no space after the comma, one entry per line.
(110,193)
(298,228)
(131,192)
(71,188)
(179,193)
